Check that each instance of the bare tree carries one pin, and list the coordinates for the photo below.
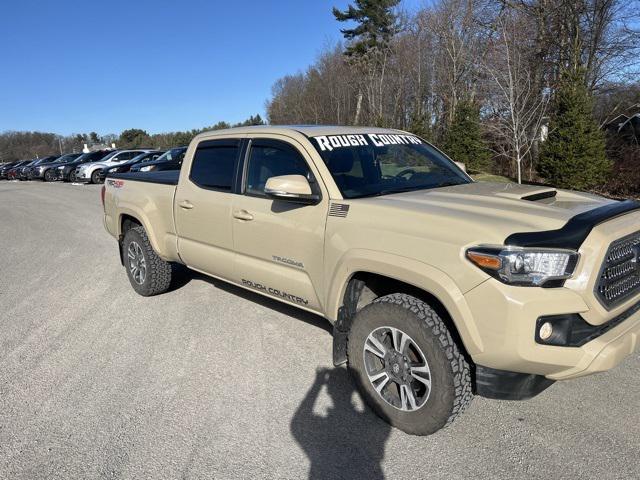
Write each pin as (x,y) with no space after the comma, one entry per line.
(517,108)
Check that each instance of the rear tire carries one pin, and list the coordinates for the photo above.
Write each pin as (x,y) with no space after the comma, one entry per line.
(72,177)
(148,273)
(427,390)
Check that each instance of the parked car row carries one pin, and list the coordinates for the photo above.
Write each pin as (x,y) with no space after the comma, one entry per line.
(92,167)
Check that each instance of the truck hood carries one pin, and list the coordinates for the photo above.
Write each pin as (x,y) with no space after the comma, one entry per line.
(493,210)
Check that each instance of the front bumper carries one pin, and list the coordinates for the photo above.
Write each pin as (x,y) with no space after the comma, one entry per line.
(506,318)
(83,176)
(63,175)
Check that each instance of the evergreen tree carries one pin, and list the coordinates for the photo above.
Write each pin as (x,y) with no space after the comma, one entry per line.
(133,137)
(573,156)
(463,140)
(376,24)
(419,125)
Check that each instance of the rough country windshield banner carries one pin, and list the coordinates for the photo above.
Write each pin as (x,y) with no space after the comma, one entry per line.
(328,143)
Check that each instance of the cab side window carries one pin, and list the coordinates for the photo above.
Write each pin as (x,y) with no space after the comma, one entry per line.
(214,164)
(125,156)
(272,158)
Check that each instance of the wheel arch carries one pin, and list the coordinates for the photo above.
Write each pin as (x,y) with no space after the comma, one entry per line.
(368,280)
(129,219)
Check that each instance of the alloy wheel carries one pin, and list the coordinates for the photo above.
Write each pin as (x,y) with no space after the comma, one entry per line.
(397,369)
(137,263)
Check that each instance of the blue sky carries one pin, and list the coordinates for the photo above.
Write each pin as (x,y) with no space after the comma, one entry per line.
(71,66)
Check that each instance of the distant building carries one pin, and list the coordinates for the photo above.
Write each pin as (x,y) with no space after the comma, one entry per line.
(97,146)
(625,126)
(614,125)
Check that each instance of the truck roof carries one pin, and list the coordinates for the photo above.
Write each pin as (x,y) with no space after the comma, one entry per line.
(307,130)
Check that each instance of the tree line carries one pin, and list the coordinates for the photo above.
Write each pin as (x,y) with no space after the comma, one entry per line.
(522,88)
(26,145)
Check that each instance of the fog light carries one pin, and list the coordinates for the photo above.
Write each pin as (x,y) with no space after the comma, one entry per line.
(546,330)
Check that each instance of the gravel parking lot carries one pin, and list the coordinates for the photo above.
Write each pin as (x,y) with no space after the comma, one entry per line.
(210,381)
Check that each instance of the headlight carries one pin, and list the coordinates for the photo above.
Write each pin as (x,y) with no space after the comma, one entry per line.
(148,168)
(529,267)
(113,170)
(41,169)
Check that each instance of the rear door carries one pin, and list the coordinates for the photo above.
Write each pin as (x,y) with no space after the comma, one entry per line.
(202,208)
(280,244)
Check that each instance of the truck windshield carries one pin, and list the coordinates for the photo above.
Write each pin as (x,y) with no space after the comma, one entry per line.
(381,164)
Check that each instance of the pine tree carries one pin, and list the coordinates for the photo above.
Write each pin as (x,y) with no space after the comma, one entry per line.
(376,24)
(573,156)
(419,125)
(463,140)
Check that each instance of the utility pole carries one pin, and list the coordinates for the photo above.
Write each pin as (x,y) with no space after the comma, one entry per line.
(60,143)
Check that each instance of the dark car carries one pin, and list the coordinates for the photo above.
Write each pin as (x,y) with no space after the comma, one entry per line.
(170,160)
(29,171)
(5,167)
(21,174)
(47,171)
(12,172)
(141,159)
(66,172)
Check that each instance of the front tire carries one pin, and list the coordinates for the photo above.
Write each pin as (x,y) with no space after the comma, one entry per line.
(148,274)
(407,366)
(49,176)
(95,177)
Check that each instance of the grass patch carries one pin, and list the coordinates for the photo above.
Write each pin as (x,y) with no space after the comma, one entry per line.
(488,177)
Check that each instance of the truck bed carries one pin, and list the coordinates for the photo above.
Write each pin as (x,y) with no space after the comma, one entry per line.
(166,177)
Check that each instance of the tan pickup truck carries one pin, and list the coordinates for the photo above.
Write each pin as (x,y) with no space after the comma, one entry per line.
(438,287)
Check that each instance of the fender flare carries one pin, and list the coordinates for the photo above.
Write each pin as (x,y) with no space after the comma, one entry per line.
(417,274)
(134,212)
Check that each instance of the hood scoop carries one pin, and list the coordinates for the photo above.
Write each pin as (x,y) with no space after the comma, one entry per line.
(536,197)
(530,193)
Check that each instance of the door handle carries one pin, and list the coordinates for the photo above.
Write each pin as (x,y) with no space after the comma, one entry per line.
(186,204)
(242,215)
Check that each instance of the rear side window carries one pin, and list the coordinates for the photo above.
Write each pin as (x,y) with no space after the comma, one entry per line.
(125,156)
(214,164)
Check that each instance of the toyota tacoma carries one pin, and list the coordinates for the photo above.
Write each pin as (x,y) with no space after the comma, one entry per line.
(438,287)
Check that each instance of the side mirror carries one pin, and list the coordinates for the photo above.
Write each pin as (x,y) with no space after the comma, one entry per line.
(290,188)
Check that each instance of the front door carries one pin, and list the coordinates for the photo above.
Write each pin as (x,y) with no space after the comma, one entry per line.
(203,208)
(279,244)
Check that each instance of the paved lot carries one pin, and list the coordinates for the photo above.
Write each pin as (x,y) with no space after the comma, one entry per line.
(209,381)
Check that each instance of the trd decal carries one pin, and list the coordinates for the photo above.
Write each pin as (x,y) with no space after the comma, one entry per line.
(115,183)
(274,292)
(378,140)
(287,261)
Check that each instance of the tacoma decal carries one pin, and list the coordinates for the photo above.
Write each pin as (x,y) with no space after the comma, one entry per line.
(287,261)
(331,142)
(274,292)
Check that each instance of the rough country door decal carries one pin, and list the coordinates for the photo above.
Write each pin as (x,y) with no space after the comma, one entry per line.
(275,292)
(331,142)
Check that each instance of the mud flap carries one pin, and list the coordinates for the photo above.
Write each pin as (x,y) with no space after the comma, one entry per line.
(340,335)
(346,314)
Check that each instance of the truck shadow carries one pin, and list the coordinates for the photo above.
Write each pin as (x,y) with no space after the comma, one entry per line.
(181,276)
(342,442)
(345,442)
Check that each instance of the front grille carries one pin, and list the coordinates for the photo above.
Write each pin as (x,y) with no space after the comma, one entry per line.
(620,274)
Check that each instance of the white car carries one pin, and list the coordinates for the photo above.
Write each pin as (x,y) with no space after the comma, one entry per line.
(90,172)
